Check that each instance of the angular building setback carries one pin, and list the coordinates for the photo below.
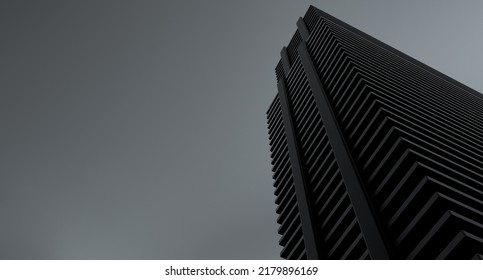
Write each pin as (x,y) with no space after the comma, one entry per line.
(375,155)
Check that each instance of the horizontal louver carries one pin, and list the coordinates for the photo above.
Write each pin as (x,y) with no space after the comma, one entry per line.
(336,223)
(417,140)
(289,218)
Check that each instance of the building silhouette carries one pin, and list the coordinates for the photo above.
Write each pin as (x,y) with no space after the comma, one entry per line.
(375,155)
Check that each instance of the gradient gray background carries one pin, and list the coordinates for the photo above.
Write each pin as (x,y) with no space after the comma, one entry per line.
(136,129)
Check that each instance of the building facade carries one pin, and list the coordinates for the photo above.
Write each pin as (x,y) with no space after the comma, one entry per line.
(375,155)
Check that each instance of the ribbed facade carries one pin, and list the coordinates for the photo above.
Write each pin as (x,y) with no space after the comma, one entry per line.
(374,154)
(289,217)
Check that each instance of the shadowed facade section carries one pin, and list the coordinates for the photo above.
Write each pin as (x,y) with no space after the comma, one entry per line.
(375,155)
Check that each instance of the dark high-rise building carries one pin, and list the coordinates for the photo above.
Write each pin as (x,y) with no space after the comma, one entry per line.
(375,155)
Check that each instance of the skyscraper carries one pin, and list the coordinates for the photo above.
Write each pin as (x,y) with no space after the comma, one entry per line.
(375,155)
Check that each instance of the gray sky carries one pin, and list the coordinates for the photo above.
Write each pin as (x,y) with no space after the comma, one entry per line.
(137,130)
